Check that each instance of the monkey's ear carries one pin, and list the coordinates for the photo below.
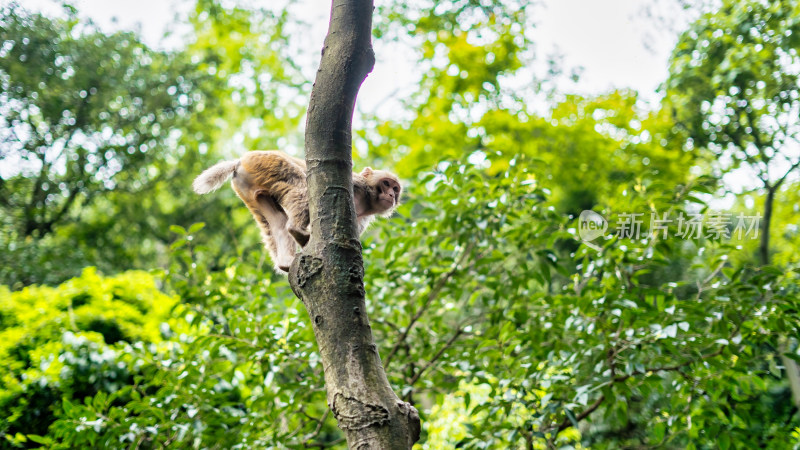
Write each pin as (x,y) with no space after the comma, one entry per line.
(367,171)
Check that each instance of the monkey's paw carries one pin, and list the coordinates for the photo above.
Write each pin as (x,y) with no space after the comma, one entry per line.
(301,236)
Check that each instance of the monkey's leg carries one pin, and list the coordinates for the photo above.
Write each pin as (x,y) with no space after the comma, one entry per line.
(295,203)
(277,219)
(266,234)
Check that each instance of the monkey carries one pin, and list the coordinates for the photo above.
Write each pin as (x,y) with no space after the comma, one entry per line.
(273,186)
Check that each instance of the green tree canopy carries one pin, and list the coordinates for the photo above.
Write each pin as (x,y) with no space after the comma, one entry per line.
(735,87)
(83,113)
(491,314)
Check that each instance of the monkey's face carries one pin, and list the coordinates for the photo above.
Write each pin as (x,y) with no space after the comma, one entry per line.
(385,190)
(389,190)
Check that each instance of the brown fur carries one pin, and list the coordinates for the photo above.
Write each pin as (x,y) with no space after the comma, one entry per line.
(273,186)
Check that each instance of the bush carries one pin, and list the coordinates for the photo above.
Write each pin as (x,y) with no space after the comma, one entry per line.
(70,342)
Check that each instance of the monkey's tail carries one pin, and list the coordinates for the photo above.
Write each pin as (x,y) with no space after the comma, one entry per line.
(214,177)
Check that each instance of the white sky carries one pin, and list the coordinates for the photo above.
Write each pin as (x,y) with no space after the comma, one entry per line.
(609,38)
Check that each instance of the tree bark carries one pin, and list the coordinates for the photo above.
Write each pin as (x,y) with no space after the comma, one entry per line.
(763,248)
(328,275)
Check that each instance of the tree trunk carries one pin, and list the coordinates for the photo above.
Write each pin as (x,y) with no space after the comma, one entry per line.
(763,248)
(328,275)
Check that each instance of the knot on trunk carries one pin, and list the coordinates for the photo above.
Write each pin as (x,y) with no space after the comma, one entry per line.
(356,279)
(307,268)
(354,414)
(414,425)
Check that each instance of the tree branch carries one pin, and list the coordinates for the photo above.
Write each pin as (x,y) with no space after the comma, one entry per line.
(320,423)
(669,368)
(436,357)
(566,423)
(785,175)
(434,292)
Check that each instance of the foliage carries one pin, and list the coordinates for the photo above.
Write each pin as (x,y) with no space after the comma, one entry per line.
(27,261)
(735,87)
(490,313)
(734,79)
(92,124)
(260,91)
(472,293)
(68,343)
(107,129)
(234,374)
(555,344)
(83,113)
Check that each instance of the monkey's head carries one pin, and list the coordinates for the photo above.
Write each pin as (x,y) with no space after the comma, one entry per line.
(387,189)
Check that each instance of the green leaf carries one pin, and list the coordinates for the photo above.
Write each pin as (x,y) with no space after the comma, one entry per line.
(196,227)
(658,429)
(571,417)
(724,441)
(44,440)
(177,229)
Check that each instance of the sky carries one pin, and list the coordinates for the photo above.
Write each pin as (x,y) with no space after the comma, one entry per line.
(611,39)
